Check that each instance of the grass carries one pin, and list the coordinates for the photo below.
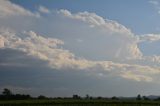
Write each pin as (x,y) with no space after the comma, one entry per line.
(78,102)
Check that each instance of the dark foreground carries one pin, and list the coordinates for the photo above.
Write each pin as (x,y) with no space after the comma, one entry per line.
(78,102)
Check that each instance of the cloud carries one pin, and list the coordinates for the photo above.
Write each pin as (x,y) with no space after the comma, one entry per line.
(154,2)
(156,5)
(132,76)
(9,9)
(110,28)
(1,42)
(125,43)
(98,34)
(79,40)
(49,50)
(149,37)
(95,20)
(44,9)
(153,60)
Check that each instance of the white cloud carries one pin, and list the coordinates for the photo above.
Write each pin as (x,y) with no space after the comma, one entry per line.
(124,38)
(153,60)
(44,9)
(149,37)
(156,5)
(95,20)
(132,76)
(1,42)
(154,2)
(9,9)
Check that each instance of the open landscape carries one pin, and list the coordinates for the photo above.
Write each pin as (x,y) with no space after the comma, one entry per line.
(78,102)
(71,102)
(7,98)
(79,52)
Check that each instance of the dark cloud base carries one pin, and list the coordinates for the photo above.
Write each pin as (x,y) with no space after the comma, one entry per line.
(33,73)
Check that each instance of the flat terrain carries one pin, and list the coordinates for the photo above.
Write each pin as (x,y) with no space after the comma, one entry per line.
(79,102)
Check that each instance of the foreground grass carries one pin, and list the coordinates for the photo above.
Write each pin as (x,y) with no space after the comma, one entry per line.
(78,102)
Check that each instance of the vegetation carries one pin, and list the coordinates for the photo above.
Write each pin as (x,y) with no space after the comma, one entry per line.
(7,98)
(8,95)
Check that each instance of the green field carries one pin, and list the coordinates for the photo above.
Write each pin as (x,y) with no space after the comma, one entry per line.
(78,102)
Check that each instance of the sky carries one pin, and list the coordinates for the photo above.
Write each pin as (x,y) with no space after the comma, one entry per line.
(58,48)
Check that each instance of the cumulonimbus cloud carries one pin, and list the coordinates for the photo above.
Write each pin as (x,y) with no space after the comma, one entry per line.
(47,49)
(51,49)
(112,28)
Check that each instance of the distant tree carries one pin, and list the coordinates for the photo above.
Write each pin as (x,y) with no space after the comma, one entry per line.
(114,98)
(76,96)
(145,98)
(99,97)
(8,95)
(42,97)
(138,97)
(157,99)
(21,97)
(90,97)
(6,92)
(87,96)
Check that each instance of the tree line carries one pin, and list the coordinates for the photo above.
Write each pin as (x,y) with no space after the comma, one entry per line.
(8,95)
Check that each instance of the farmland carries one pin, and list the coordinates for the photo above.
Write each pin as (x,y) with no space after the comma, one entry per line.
(7,98)
(78,102)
